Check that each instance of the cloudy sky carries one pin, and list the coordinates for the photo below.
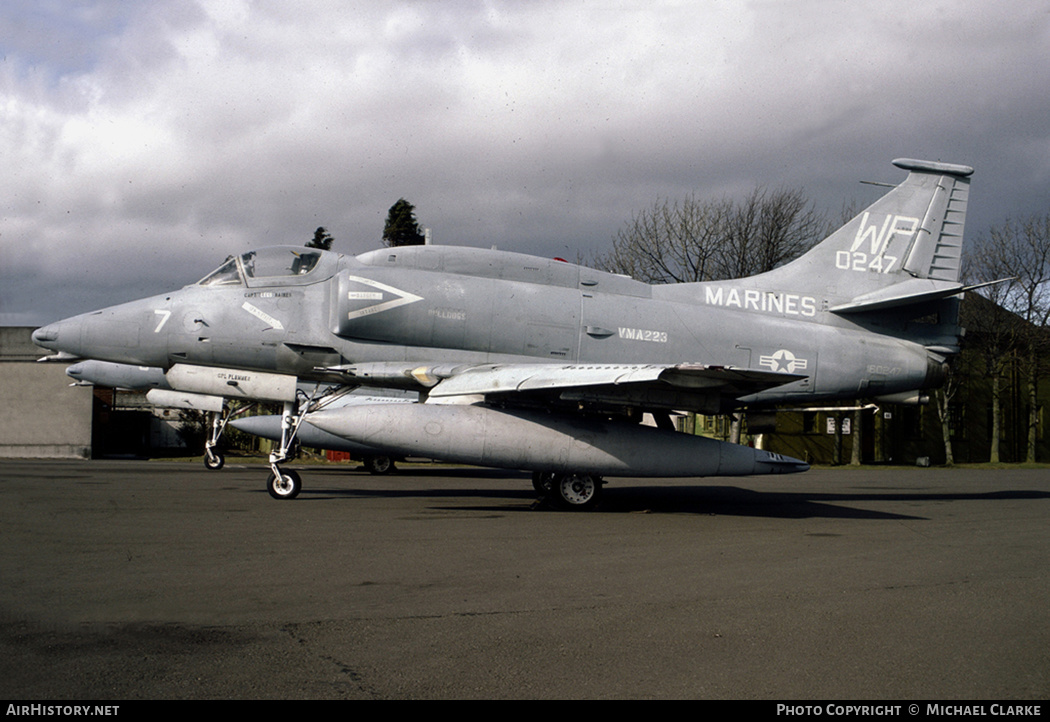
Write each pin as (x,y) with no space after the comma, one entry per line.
(142,143)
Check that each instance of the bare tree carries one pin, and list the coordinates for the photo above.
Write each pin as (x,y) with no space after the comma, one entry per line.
(856,431)
(670,242)
(768,229)
(704,240)
(1020,250)
(992,335)
(943,398)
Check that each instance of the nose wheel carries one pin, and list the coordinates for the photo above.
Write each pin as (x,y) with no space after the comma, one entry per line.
(285,484)
(213,459)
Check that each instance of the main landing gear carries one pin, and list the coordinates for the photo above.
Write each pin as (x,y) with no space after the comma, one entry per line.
(380,465)
(573,492)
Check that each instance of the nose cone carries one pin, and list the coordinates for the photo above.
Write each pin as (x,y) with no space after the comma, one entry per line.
(46,335)
(63,336)
(128,333)
(268,427)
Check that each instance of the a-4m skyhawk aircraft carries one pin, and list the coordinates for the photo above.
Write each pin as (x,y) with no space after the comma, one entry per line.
(537,364)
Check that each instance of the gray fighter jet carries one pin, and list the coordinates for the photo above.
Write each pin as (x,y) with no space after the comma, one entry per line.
(537,364)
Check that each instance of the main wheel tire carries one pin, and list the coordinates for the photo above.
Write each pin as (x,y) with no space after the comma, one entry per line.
(287,486)
(379,465)
(214,460)
(578,492)
(541,482)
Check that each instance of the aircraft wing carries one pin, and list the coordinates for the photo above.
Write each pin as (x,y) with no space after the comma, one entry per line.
(509,378)
(680,386)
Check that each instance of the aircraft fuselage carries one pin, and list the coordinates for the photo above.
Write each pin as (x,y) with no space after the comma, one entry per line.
(494,307)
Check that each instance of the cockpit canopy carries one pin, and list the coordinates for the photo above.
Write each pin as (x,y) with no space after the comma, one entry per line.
(280,265)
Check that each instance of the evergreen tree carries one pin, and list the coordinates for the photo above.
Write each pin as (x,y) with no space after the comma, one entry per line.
(401,227)
(322,239)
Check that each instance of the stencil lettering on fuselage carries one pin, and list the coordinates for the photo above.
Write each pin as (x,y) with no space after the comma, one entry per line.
(749,299)
(642,334)
(403,298)
(868,251)
(263,316)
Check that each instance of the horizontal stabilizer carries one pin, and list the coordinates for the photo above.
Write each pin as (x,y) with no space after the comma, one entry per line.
(907,293)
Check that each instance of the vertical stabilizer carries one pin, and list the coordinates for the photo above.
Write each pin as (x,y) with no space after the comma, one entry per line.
(904,248)
(937,247)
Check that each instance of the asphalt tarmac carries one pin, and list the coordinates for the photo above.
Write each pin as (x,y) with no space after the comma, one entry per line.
(127,580)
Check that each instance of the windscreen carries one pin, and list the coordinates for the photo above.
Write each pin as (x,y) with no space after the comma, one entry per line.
(264,263)
(225,275)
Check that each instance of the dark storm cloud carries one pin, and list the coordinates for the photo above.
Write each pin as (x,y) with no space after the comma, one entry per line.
(178,132)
